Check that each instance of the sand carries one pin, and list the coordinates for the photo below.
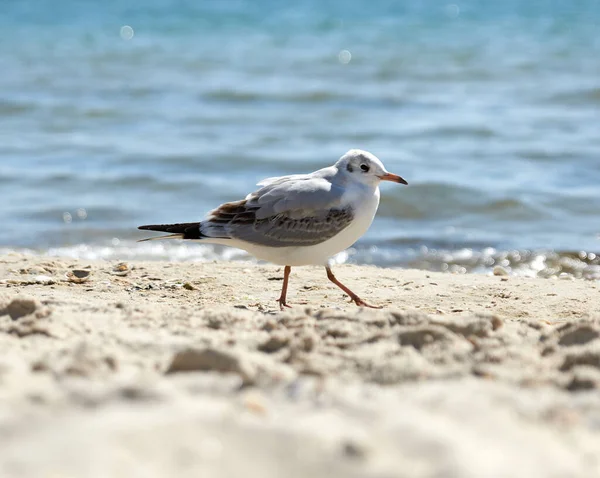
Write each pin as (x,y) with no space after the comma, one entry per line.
(156,369)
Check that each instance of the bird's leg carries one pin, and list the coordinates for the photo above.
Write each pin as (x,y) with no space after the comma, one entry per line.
(353,297)
(286,276)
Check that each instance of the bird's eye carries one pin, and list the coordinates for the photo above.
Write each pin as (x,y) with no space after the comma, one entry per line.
(364,168)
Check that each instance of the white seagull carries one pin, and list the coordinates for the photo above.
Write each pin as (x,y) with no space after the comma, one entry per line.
(297,220)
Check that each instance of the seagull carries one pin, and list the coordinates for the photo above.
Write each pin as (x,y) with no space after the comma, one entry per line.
(297,220)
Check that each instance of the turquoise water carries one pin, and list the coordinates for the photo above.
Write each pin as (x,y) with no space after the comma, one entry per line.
(116,113)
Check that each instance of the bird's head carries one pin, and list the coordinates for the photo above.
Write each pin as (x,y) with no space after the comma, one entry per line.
(366,168)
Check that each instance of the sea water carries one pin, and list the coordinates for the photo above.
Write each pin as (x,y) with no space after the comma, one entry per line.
(119,113)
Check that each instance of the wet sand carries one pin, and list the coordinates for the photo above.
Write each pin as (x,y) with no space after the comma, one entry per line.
(160,369)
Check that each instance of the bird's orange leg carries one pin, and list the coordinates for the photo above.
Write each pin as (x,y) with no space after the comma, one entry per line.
(282,297)
(353,297)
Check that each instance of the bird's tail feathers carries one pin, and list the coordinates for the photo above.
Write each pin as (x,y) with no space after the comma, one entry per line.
(186,230)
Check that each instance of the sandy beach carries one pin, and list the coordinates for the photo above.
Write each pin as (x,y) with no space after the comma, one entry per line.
(189,369)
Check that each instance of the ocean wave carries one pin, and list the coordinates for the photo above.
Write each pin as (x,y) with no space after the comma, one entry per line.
(589,97)
(435,200)
(457,131)
(370,98)
(14,108)
(251,96)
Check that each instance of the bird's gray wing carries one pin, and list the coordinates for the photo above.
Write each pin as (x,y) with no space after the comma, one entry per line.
(279,179)
(297,196)
(290,211)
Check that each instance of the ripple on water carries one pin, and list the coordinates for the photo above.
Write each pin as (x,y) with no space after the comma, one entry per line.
(580,97)
(440,200)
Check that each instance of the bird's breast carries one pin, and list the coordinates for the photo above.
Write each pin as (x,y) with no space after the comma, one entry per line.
(364,206)
(364,209)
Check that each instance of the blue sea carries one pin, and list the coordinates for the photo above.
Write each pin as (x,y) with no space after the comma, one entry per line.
(118,113)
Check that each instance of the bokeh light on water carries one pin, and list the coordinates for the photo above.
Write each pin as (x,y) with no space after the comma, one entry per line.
(452,10)
(126,32)
(344,57)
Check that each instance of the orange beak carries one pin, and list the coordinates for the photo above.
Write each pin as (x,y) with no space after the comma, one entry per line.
(393,177)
